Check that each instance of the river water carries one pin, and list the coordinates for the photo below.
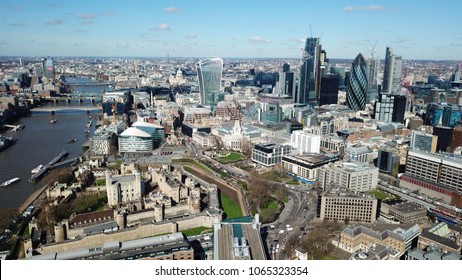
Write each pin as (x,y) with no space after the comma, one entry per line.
(39,142)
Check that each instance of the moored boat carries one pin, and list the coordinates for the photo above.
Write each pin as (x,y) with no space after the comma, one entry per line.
(9,182)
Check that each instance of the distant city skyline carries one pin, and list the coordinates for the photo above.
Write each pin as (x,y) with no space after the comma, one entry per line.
(245,29)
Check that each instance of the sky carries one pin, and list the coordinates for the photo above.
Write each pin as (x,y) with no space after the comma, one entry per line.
(422,29)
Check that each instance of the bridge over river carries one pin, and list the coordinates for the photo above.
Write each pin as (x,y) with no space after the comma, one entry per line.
(65,108)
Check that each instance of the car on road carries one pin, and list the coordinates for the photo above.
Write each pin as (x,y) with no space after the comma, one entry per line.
(281,231)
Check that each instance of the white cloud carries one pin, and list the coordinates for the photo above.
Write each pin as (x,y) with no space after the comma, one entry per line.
(15,8)
(162,26)
(86,16)
(258,40)
(172,10)
(55,21)
(370,8)
(19,24)
(81,30)
(191,36)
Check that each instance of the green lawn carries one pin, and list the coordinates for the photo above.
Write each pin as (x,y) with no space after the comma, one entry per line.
(196,231)
(383,195)
(242,184)
(328,257)
(269,210)
(101,182)
(231,157)
(275,176)
(230,208)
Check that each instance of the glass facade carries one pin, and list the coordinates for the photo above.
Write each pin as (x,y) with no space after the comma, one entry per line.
(49,68)
(309,72)
(357,85)
(209,72)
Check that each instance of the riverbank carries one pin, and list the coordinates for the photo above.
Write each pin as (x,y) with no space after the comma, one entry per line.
(35,198)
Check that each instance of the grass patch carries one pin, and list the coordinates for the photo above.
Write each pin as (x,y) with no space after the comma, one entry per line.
(247,168)
(101,182)
(269,212)
(328,257)
(275,176)
(242,184)
(89,203)
(115,165)
(26,233)
(196,231)
(231,157)
(383,195)
(230,208)
(189,160)
(292,181)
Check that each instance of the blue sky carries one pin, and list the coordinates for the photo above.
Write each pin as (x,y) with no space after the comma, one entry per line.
(235,28)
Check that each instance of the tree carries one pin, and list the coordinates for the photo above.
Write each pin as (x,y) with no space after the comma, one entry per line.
(247,148)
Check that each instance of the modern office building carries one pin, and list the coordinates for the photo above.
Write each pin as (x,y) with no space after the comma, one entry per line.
(392,72)
(373,66)
(269,154)
(357,153)
(333,143)
(305,142)
(309,87)
(209,73)
(140,138)
(48,68)
(357,84)
(405,212)
(390,107)
(286,82)
(444,135)
(329,89)
(306,166)
(423,141)
(386,160)
(436,175)
(352,176)
(443,114)
(340,205)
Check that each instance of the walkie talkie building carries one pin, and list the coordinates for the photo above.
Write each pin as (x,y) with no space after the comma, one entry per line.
(209,72)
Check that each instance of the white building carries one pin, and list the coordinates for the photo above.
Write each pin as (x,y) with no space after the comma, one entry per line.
(305,142)
(353,176)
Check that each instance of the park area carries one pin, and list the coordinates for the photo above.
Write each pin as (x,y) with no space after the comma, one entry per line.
(230,157)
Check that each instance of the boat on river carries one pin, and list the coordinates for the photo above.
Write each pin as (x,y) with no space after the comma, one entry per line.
(9,182)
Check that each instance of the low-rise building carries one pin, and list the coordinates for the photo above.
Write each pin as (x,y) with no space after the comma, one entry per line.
(269,154)
(406,212)
(306,166)
(340,205)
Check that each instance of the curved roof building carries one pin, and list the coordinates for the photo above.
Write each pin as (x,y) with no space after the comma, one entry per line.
(357,84)
(209,72)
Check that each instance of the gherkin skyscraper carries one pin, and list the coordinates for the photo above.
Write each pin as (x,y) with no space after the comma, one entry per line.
(357,84)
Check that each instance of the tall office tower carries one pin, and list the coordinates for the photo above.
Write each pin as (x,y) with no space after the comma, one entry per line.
(209,73)
(48,68)
(390,107)
(357,85)
(373,65)
(329,89)
(285,84)
(456,75)
(392,72)
(308,89)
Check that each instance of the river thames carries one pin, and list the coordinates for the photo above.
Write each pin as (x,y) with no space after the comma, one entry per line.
(38,143)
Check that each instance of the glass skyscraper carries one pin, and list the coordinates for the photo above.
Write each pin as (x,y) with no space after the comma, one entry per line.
(48,68)
(357,85)
(308,90)
(209,72)
(392,72)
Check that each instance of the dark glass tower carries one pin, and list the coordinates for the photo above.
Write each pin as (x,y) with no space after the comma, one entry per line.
(357,85)
(308,89)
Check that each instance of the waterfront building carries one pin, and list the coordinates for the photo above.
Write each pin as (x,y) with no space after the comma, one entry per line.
(140,138)
(357,84)
(392,72)
(209,73)
(269,154)
(352,176)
